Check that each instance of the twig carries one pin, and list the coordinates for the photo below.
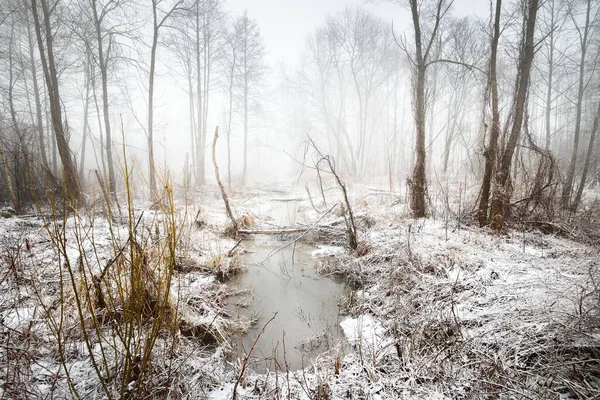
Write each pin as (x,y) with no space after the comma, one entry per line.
(230,253)
(245,360)
(350,225)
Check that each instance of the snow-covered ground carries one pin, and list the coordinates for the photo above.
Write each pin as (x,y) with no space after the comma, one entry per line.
(435,309)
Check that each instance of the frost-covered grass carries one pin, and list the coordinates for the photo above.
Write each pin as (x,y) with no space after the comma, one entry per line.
(436,309)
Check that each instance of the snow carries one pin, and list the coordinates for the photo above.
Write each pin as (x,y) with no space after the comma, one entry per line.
(436,309)
(17,318)
(363,331)
(327,251)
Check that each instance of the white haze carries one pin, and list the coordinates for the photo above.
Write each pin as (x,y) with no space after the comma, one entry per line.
(275,133)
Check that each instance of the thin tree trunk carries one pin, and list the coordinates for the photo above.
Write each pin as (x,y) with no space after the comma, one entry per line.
(192,120)
(230,119)
(206,75)
(588,158)
(431,112)
(15,194)
(103,63)
(492,151)
(151,165)
(550,77)
(244,170)
(199,127)
(218,178)
(36,94)
(99,118)
(86,107)
(568,187)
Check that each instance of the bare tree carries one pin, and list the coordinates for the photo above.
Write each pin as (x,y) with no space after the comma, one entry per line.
(36,89)
(182,43)
(209,26)
(588,158)
(160,17)
(553,20)
(43,28)
(251,70)
(105,34)
(230,63)
(502,189)
(348,74)
(491,152)
(424,42)
(592,14)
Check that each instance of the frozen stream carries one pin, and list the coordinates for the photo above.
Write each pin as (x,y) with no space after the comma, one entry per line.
(285,281)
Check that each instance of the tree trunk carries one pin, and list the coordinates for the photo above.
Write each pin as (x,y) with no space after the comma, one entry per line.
(431,122)
(244,169)
(419,181)
(568,187)
(550,77)
(103,64)
(502,190)
(588,158)
(206,78)
(199,127)
(70,178)
(99,118)
(151,165)
(36,94)
(86,107)
(230,119)
(418,184)
(491,152)
(192,120)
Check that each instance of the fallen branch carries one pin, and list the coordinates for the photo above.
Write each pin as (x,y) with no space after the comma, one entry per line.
(302,235)
(223,193)
(230,253)
(281,231)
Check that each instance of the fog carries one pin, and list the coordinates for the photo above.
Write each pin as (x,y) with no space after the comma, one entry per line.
(283,112)
(287,199)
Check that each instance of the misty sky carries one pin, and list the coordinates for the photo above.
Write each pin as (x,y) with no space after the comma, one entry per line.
(285,24)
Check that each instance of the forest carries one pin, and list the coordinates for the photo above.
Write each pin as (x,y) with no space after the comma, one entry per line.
(394,199)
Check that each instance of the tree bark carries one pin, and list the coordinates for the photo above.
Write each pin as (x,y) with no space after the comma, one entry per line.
(419,181)
(492,150)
